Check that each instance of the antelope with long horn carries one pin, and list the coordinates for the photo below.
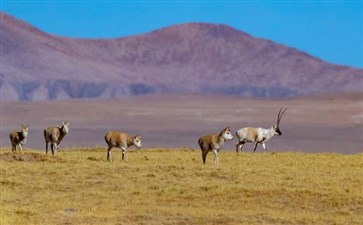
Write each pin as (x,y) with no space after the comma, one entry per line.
(258,135)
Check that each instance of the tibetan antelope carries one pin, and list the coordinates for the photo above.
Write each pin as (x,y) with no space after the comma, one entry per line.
(121,140)
(258,135)
(18,138)
(54,136)
(213,143)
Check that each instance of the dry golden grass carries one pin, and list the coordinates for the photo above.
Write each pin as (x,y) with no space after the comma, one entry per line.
(160,186)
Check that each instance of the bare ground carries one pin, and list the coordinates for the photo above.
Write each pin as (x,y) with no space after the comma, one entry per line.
(312,124)
(28,157)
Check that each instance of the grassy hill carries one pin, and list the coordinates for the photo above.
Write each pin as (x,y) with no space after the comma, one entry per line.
(171,186)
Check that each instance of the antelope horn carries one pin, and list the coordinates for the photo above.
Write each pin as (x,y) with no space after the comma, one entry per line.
(281,112)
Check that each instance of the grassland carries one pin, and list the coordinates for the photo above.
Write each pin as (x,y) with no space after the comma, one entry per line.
(161,186)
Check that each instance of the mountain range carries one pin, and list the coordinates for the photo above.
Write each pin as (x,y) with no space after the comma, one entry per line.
(196,58)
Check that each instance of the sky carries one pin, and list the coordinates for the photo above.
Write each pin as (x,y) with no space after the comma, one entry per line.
(329,30)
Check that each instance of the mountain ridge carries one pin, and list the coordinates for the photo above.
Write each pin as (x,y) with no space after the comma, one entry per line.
(184,58)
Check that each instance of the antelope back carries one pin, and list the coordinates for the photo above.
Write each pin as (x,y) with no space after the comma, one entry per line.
(52,134)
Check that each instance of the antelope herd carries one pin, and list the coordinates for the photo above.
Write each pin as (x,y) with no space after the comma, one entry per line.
(208,143)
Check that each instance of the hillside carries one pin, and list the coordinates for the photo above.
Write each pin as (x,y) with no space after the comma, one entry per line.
(185,58)
(159,186)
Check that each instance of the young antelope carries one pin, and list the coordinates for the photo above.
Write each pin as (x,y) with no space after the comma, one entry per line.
(213,143)
(122,141)
(18,138)
(258,135)
(54,136)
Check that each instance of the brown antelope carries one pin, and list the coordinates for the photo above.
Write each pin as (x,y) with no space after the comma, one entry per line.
(54,136)
(122,141)
(18,138)
(213,143)
(258,135)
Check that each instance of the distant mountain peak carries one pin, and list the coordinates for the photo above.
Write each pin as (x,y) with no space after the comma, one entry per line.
(199,30)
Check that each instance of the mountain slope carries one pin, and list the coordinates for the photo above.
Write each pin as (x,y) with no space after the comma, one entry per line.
(186,58)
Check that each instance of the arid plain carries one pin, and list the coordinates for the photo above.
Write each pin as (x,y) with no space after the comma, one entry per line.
(311,124)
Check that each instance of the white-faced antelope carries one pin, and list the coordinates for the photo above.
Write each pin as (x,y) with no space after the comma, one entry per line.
(18,138)
(258,135)
(122,141)
(54,136)
(213,143)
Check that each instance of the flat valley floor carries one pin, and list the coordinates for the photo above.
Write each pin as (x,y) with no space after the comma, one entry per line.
(311,124)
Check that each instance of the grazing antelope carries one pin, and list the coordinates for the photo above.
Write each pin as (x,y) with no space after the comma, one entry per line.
(18,138)
(54,136)
(121,140)
(258,135)
(213,143)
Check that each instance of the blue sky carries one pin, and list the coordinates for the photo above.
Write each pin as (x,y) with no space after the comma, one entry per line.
(330,30)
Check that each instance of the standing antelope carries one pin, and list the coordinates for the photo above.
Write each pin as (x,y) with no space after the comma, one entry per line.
(258,135)
(55,135)
(121,140)
(213,143)
(18,138)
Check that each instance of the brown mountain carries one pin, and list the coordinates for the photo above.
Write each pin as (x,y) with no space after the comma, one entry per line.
(186,58)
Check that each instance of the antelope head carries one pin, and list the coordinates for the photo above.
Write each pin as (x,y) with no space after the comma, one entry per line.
(65,126)
(137,141)
(276,127)
(24,130)
(226,133)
